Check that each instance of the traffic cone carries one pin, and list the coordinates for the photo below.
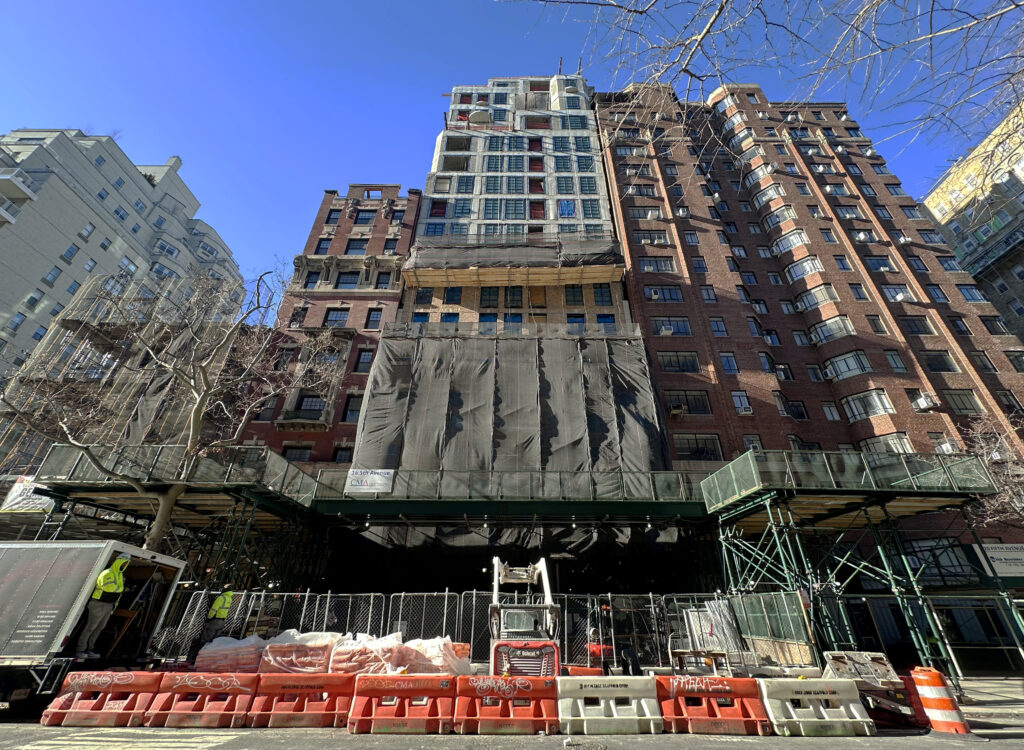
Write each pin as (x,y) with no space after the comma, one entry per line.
(940,705)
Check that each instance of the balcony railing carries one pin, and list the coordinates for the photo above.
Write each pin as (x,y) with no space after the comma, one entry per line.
(502,329)
(302,415)
(534,239)
(845,471)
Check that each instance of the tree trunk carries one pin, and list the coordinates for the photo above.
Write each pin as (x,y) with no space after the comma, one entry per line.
(165,504)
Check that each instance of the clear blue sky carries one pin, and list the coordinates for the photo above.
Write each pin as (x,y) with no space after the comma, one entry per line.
(270,103)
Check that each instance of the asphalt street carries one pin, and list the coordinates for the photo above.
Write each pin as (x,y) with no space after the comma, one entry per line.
(35,737)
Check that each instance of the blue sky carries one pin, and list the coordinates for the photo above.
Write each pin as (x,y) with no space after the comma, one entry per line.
(269,104)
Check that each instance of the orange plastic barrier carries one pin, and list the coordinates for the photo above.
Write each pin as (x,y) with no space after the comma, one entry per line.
(506,705)
(103,699)
(402,704)
(584,671)
(938,701)
(203,699)
(704,704)
(302,700)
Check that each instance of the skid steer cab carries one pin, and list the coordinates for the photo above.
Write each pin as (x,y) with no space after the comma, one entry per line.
(524,635)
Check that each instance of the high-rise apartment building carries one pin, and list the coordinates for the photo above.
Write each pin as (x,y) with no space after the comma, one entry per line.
(791,294)
(515,350)
(978,205)
(74,206)
(348,281)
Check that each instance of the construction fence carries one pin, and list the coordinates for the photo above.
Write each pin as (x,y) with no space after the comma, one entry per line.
(596,628)
(983,632)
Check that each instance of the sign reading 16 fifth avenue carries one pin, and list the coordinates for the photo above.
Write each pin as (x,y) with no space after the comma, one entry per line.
(369,480)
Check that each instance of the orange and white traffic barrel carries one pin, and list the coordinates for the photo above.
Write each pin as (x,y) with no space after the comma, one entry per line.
(938,701)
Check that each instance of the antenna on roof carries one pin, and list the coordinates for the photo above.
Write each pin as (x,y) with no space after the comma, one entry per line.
(559,66)
(579,67)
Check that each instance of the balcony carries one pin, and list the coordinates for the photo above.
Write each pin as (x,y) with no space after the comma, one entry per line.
(533,259)
(14,183)
(824,477)
(8,210)
(502,329)
(307,419)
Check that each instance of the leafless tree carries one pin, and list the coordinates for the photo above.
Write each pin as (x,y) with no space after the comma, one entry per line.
(986,437)
(947,67)
(187,364)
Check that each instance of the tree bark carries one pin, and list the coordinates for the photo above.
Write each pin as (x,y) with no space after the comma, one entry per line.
(165,504)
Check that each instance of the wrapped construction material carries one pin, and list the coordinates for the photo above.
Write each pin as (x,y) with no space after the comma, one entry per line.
(301,653)
(231,655)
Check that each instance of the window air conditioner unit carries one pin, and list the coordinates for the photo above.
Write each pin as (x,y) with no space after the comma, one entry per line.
(862,236)
(762,115)
(904,240)
(665,331)
(812,151)
(716,196)
(945,448)
(869,152)
(773,166)
(924,402)
(828,188)
(775,251)
(631,190)
(798,306)
(829,375)
(645,241)
(390,251)
(819,168)
(768,340)
(840,149)
(677,411)
(900,296)
(744,410)
(631,171)
(682,212)
(844,117)
(653,215)
(813,338)
(791,118)
(655,293)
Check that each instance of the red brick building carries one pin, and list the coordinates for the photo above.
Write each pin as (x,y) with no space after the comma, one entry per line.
(347,279)
(790,292)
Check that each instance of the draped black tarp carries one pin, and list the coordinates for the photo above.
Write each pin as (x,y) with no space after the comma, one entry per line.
(477,403)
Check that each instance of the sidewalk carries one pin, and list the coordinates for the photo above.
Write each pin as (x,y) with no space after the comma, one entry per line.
(994,699)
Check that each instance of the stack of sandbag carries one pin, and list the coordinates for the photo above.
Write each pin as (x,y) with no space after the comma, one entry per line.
(442,654)
(303,653)
(231,655)
(388,655)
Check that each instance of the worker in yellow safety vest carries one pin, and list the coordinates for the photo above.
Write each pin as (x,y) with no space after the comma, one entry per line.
(217,617)
(105,596)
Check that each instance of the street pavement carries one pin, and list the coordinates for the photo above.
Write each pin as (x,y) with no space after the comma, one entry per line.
(35,737)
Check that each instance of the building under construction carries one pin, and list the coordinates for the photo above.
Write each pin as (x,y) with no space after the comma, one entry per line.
(629,339)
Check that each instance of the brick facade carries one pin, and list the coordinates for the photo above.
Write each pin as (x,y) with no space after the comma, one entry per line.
(349,267)
(702,170)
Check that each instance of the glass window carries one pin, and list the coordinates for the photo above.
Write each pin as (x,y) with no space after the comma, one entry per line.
(513,296)
(373,317)
(678,362)
(347,280)
(602,295)
(729,365)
